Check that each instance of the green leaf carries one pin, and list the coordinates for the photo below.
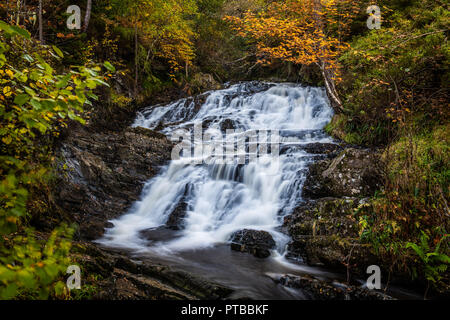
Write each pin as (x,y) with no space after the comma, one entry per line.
(35,103)
(109,66)
(58,51)
(5,27)
(22,32)
(21,99)
(63,82)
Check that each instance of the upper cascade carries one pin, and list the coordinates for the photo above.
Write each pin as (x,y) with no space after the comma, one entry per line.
(219,197)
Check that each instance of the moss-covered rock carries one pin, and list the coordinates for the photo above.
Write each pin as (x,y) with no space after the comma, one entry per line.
(354,173)
(327,216)
(325,233)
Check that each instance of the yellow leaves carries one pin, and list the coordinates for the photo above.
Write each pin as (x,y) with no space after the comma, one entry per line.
(12,219)
(7,140)
(10,73)
(7,91)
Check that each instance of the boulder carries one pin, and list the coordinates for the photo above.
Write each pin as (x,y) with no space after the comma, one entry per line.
(258,243)
(354,173)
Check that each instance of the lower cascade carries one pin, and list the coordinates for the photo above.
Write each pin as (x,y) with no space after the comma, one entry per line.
(209,201)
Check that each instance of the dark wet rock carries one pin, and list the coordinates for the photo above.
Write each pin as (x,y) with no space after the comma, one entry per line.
(334,252)
(322,148)
(321,290)
(186,109)
(119,278)
(227,124)
(258,243)
(354,173)
(326,216)
(176,217)
(102,174)
(329,149)
(160,234)
(325,233)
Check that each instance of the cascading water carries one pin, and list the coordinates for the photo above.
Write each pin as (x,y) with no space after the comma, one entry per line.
(216,198)
(223,198)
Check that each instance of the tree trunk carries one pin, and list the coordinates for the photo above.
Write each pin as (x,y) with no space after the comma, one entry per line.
(41,31)
(330,86)
(87,17)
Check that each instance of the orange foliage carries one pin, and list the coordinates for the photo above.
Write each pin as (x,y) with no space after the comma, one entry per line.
(300,31)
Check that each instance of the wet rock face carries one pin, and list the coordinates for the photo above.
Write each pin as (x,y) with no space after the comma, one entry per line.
(321,290)
(102,174)
(227,124)
(178,214)
(354,173)
(324,232)
(334,252)
(123,279)
(324,217)
(258,243)
(176,218)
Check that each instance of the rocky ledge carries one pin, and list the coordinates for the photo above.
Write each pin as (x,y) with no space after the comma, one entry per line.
(117,277)
(324,228)
(317,289)
(102,174)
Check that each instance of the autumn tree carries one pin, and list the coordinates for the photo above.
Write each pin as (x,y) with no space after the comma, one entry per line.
(304,32)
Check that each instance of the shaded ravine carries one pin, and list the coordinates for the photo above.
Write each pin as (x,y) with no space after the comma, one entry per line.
(207,203)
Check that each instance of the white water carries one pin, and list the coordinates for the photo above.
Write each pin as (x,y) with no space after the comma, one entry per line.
(224,198)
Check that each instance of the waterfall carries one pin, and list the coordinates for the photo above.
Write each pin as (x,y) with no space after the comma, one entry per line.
(222,198)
